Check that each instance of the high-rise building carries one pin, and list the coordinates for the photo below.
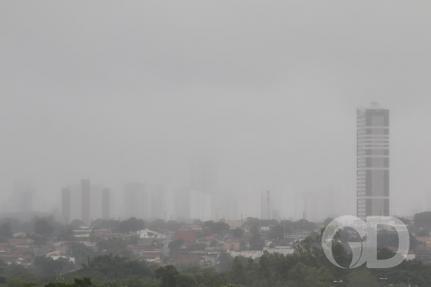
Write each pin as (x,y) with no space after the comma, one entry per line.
(136,200)
(85,200)
(22,198)
(265,205)
(203,176)
(158,202)
(372,161)
(182,204)
(106,203)
(66,204)
(224,205)
(204,183)
(200,205)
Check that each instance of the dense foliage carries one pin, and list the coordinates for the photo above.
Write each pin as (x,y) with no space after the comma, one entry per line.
(307,267)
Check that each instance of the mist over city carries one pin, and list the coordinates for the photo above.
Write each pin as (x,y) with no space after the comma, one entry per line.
(183,120)
(265,93)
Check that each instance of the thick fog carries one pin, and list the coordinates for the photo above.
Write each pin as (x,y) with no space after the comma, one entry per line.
(260,94)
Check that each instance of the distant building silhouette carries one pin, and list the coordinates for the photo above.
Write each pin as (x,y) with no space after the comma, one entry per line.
(23,198)
(203,176)
(66,203)
(85,200)
(265,205)
(204,183)
(106,203)
(135,200)
(182,204)
(158,202)
(200,205)
(372,161)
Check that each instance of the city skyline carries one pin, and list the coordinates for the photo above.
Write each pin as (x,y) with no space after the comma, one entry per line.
(215,143)
(271,102)
(145,201)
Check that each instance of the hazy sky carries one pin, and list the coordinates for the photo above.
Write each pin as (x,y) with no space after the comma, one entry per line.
(133,90)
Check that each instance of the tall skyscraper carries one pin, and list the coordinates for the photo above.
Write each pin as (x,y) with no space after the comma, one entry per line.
(106,203)
(85,200)
(204,183)
(158,202)
(136,200)
(66,204)
(372,161)
(200,205)
(22,198)
(203,176)
(265,205)
(182,204)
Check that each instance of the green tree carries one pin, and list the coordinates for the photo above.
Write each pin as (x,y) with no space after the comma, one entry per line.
(5,231)
(238,272)
(46,267)
(276,232)
(167,276)
(218,228)
(362,277)
(84,282)
(81,253)
(113,246)
(130,225)
(44,226)
(256,242)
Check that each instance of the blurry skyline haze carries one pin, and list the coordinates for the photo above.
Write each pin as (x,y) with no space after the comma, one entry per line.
(122,91)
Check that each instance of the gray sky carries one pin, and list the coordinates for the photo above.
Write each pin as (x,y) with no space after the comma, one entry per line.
(132,90)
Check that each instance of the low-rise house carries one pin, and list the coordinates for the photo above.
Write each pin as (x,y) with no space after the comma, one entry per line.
(150,234)
(56,255)
(103,234)
(283,250)
(253,254)
(83,233)
(186,259)
(425,240)
(11,254)
(144,252)
(186,235)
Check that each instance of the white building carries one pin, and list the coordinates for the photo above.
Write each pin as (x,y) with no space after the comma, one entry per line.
(372,161)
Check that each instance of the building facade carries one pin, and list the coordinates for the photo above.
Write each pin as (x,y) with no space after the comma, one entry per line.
(106,203)
(265,205)
(373,188)
(136,200)
(85,200)
(66,203)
